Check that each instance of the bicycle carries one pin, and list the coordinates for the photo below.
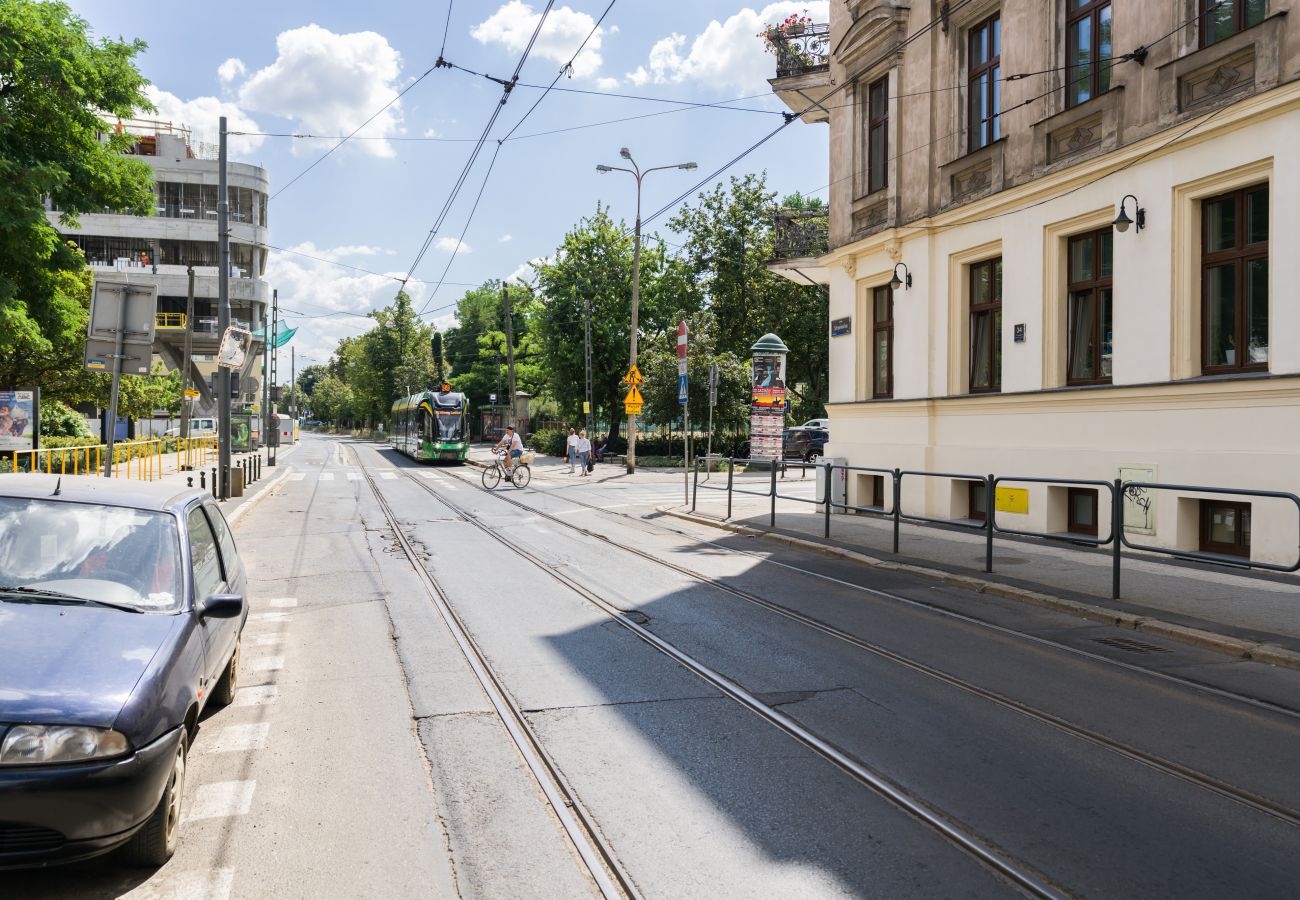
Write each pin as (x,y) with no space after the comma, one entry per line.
(519,475)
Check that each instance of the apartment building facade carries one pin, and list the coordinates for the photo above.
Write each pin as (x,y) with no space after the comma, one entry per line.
(161,249)
(1063,244)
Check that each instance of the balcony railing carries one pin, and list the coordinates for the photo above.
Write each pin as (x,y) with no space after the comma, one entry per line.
(802,51)
(801,233)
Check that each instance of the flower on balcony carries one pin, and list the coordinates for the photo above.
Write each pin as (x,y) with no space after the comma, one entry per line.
(777,36)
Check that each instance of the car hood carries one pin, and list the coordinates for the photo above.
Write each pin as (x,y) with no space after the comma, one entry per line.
(73,664)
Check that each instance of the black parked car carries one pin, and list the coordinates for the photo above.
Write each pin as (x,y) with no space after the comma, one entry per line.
(807,444)
(121,609)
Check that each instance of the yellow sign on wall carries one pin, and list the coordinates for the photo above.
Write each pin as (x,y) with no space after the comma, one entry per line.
(1013,500)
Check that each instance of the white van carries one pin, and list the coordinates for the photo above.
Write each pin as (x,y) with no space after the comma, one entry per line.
(198,428)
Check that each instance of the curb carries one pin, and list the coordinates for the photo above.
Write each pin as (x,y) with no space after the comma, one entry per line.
(240,511)
(1239,648)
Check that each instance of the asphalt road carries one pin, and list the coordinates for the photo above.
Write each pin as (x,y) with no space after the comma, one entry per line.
(365,760)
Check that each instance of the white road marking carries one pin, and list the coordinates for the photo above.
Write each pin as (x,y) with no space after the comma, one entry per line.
(354,476)
(270,617)
(388,476)
(211,884)
(284,601)
(428,474)
(268,664)
(269,640)
(241,738)
(326,476)
(297,476)
(220,799)
(256,695)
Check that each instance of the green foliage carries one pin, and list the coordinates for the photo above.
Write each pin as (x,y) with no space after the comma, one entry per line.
(60,420)
(659,366)
(476,347)
(331,400)
(308,378)
(56,84)
(550,441)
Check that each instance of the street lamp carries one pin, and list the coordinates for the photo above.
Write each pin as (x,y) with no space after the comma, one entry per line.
(639,174)
(1122,221)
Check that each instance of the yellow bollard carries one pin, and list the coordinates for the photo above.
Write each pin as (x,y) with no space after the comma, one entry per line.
(63,462)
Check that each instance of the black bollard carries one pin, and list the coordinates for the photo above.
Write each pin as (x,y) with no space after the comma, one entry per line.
(189,481)
(203,480)
(216,492)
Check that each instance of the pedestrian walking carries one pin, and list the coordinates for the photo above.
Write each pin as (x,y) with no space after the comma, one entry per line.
(571,447)
(584,451)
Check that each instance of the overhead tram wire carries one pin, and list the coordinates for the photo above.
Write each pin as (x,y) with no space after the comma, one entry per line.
(567,68)
(506,88)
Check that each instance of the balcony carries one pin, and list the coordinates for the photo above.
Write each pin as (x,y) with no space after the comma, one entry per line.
(803,67)
(801,233)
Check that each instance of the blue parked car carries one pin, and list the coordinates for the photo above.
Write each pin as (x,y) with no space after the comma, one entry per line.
(121,609)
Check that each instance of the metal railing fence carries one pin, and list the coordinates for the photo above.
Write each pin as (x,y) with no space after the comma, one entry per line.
(1116,539)
(134,460)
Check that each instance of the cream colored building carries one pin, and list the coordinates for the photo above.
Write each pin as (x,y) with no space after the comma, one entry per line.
(981,150)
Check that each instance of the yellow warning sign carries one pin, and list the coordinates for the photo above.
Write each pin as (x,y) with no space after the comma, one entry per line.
(633,401)
(634,377)
(190,392)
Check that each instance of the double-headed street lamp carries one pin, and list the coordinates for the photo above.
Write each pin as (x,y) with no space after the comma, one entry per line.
(639,174)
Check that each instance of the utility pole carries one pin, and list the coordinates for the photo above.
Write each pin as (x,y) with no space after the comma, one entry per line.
(639,174)
(266,371)
(189,346)
(586,326)
(510,354)
(223,316)
(275,359)
(293,389)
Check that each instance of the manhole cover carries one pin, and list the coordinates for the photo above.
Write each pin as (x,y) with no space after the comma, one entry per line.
(1130,645)
(636,616)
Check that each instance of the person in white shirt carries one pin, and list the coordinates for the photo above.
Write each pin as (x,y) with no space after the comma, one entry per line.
(571,445)
(514,447)
(584,451)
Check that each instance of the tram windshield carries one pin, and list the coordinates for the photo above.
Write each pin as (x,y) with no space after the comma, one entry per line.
(451,425)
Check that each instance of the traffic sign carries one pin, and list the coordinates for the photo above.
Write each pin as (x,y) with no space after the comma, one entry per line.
(634,397)
(191,393)
(681,340)
(681,388)
(634,377)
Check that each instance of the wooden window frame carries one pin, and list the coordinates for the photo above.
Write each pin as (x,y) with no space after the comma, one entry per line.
(886,326)
(1095,286)
(1239,547)
(1091,9)
(993,309)
(878,121)
(1071,525)
(1239,22)
(982,132)
(1239,255)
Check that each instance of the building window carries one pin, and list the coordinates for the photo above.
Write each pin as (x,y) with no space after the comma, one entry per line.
(1090,320)
(1234,281)
(978,501)
(882,342)
(877,491)
(984,82)
(1224,18)
(878,134)
(1225,528)
(986,326)
(1087,49)
(1081,517)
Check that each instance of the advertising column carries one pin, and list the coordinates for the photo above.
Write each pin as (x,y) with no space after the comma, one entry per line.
(767,398)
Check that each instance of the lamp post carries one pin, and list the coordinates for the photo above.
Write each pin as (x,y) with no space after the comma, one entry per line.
(639,174)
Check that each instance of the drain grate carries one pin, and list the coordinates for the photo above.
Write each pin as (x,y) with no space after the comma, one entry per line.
(1130,645)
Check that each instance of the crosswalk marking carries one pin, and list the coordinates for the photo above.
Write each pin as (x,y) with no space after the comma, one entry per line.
(268,664)
(388,476)
(284,601)
(428,474)
(269,640)
(241,738)
(256,695)
(297,476)
(208,884)
(269,616)
(354,476)
(326,476)
(220,799)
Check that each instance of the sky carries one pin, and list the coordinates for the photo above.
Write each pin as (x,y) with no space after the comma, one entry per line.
(293,67)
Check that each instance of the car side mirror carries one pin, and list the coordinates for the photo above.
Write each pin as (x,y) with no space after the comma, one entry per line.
(222,606)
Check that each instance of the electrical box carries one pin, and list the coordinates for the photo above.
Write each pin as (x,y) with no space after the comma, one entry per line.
(839,483)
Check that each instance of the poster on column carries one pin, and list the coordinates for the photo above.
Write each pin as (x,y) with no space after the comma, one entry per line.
(767,406)
(16,419)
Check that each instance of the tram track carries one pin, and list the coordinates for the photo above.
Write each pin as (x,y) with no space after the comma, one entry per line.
(1018,872)
(597,857)
(1184,773)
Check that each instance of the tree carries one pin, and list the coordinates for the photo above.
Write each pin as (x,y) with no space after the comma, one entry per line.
(56,85)
(729,242)
(439,357)
(309,376)
(331,400)
(476,347)
(389,361)
(659,366)
(593,269)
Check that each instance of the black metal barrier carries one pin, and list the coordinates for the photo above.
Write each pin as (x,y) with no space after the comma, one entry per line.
(1117,489)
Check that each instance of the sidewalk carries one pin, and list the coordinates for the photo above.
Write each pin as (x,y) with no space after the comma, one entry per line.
(1231,611)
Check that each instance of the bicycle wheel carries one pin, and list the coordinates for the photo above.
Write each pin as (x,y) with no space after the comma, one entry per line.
(491,477)
(522,475)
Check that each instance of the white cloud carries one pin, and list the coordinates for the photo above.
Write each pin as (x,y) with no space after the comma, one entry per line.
(431,133)
(231,70)
(512,25)
(202,115)
(607,84)
(451,245)
(525,272)
(505,238)
(724,53)
(330,83)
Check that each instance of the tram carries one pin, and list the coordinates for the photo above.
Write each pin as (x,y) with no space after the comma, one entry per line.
(432,425)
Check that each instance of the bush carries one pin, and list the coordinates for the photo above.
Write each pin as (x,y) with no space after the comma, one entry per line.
(550,441)
(60,420)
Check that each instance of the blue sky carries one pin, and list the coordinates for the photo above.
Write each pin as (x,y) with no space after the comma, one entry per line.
(323,68)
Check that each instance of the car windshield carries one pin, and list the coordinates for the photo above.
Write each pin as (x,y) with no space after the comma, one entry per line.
(106,554)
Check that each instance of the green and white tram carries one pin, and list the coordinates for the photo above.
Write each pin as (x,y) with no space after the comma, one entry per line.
(432,425)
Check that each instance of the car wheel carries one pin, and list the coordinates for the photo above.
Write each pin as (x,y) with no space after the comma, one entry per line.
(155,843)
(224,693)
(814,455)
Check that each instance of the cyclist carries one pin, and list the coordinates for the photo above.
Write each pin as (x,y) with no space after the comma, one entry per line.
(513,446)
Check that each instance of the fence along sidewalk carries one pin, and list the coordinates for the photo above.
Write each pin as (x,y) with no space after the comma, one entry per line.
(138,460)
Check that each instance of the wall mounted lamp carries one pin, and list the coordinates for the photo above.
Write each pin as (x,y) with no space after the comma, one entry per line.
(906,281)
(1122,221)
